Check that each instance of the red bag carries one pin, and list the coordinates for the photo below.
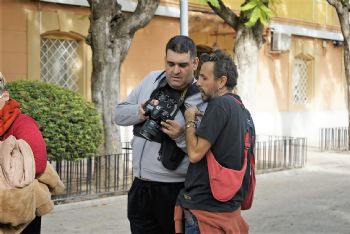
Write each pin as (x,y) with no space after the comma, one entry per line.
(226,182)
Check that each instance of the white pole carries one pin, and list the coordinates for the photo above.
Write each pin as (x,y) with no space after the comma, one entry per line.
(184,17)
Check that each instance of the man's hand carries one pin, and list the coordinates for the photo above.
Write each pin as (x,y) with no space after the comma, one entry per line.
(172,128)
(141,112)
(191,113)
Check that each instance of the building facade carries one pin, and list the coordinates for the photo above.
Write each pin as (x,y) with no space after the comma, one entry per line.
(300,85)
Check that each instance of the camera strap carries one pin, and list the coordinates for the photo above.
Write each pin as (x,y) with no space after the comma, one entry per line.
(161,85)
(180,102)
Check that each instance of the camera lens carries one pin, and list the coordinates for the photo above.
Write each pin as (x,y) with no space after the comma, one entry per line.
(150,129)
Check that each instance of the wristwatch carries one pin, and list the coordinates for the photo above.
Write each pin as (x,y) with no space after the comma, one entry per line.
(190,124)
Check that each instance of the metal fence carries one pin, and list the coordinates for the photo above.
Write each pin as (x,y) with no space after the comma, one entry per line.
(95,175)
(100,175)
(277,153)
(334,139)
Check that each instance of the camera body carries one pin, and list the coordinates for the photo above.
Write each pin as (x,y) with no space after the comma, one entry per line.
(167,106)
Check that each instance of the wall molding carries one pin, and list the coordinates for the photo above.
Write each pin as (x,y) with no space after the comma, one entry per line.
(127,5)
(306,31)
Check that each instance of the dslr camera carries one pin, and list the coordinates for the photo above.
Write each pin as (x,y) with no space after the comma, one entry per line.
(165,110)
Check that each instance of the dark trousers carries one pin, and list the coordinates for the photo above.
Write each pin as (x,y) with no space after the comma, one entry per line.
(34,227)
(151,206)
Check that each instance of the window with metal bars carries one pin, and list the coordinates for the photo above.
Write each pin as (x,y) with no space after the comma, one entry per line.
(300,84)
(59,62)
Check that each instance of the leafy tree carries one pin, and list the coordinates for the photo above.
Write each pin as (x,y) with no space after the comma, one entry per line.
(342,8)
(249,26)
(110,35)
(70,125)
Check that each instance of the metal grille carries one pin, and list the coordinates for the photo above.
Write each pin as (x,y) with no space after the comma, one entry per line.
(334,139)
(112,174)
(300,81)
(279,153)
(59,62)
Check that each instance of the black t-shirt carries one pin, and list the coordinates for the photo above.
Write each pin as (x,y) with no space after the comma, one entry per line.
(223,125)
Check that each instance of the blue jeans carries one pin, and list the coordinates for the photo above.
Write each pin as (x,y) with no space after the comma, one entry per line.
(191,223)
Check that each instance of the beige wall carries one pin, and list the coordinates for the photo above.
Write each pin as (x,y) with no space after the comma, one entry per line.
(147,51)
(330,83)
(275,70)
(272,93)
(274,83)
(23,24)
(304,11)
(13,40)
(49,22)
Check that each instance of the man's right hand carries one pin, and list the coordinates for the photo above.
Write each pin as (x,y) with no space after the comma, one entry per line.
(141,112)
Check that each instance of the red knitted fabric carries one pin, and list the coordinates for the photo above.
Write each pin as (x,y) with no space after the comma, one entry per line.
(25,128)
(8,114)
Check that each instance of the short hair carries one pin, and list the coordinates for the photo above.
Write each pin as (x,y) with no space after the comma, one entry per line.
(224,66)
(182,44)
(2,84)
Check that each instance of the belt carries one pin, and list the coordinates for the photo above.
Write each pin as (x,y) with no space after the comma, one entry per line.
(144,179)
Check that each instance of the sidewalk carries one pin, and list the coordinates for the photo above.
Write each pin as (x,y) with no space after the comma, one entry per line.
(314,199)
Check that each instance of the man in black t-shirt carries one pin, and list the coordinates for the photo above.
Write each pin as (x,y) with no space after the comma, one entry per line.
(221,130)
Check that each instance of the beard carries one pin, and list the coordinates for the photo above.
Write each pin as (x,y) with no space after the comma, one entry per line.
(205,97)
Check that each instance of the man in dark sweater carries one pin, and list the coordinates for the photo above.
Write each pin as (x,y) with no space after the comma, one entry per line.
(221,130)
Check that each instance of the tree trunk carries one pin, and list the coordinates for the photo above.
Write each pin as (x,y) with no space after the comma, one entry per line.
(105,82)
(247,44)
(342,8)
(246,57)
(105,89)
(110,36)
(347,76)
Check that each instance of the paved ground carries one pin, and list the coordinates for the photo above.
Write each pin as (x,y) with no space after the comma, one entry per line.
(312,200)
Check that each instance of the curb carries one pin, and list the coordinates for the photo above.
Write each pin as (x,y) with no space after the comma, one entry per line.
(88,203)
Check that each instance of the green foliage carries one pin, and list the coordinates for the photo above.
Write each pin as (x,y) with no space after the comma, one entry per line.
(253,10)
(345,2)
(257,10)
(215,3)
(71,126)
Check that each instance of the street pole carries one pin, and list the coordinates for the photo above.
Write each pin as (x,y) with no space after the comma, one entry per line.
(184,17)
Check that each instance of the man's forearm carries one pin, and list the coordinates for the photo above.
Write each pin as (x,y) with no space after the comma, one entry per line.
(126,114)
(192,142)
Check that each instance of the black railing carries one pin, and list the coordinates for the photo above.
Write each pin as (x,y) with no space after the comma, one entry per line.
(110,174)
(95,175)
(334,139)
(277,153)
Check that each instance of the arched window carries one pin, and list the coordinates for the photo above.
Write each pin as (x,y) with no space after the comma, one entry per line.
(59,62)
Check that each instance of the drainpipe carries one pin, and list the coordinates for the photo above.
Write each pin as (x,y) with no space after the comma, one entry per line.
(184,17)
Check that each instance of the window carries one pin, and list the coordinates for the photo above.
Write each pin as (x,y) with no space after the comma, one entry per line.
(302,71)
(59,62)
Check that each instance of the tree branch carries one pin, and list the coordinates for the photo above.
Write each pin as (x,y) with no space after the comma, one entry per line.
(225,13)
(142,15)
(343,15)
(336,4)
